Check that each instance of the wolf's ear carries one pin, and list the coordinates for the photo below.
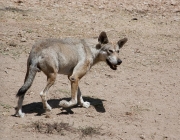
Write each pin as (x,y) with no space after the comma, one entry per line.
(103,38)
(122,42)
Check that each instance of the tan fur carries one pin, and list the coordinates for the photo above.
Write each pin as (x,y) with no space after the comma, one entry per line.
(69,56)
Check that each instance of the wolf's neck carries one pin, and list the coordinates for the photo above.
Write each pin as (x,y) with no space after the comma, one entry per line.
(90,46)
(95,55)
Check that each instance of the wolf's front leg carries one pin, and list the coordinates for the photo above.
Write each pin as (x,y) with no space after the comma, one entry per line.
(81,101)
(78,72)
(74,90)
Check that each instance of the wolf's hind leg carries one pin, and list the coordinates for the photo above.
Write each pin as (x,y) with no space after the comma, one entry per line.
(50,81)
(19,112)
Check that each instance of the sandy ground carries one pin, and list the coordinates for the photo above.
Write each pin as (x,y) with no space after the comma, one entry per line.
(141,100)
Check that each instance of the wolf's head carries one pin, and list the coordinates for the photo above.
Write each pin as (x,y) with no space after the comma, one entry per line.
(109,52)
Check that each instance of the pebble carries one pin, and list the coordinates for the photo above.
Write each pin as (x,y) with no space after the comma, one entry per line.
(6,49)
(142,137)
(13,44)
(134,19)
(23,39)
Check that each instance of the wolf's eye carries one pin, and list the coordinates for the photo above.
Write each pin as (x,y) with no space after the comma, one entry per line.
(117,51)
(110,51)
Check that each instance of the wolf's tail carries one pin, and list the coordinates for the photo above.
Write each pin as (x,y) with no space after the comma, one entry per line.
(30,75)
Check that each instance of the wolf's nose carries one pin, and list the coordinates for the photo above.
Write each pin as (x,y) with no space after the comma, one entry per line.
(119,62)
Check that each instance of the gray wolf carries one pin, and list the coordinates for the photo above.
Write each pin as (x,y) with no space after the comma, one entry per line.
(69,56)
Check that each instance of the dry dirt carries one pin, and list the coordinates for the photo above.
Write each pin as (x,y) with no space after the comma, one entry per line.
(141,100)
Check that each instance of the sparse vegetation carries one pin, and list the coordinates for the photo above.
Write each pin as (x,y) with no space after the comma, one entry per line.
(54,128)
(5,106)
(138,109)
(65,128)
(90,131)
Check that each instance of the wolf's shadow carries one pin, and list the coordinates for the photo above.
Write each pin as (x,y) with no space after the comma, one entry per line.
(37,107)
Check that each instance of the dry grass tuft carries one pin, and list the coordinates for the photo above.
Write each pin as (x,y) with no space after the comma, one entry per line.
(64,128)
(90,131)
(55,128)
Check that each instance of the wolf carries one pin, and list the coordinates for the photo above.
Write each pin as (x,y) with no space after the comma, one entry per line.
(69,56)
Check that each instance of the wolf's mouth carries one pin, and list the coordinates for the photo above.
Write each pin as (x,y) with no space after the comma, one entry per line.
(112,66)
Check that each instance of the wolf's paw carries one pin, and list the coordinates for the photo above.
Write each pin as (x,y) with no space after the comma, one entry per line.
(64,103)
(48,107)
(86,104)
(20,114)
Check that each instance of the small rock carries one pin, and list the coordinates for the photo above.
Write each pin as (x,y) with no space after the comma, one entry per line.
(109,76)
(134,19)
(19,34)
(86,83)
(19,1)
(6,49)
(142,137)
(101,7)
(112,10)
(128,113)
(176,19)
(176,10)
(173,2)
(165,137)
(24,14)
(89,115)
(23,39)
(4,113)
(13,44)
(137,51)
